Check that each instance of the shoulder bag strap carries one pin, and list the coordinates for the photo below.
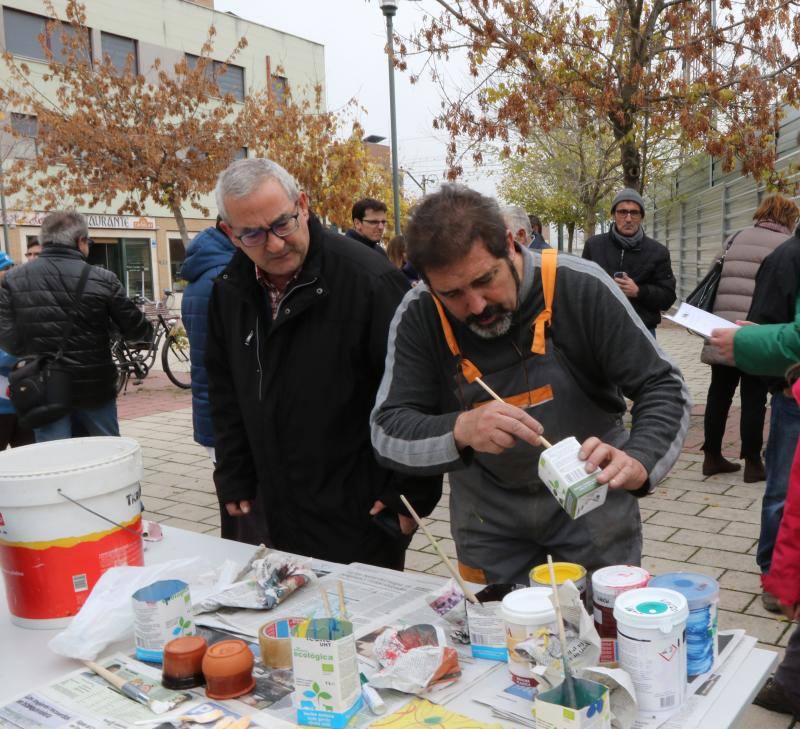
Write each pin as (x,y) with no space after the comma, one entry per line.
(76,305)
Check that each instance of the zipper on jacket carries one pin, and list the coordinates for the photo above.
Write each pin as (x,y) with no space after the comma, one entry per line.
(258,359)
(293,289)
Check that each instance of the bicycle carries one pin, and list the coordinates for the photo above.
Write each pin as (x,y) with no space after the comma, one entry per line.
(136,359)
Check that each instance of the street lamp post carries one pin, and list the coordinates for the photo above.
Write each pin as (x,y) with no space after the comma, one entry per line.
(389,8)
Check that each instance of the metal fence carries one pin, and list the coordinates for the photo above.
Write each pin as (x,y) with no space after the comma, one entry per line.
(700,206)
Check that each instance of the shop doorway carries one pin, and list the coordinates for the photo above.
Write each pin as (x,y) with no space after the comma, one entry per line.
(128,259)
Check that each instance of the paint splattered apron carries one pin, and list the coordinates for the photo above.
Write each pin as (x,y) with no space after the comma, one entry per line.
(504,520)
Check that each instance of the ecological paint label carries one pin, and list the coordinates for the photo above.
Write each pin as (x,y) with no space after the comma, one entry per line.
(487,632)
(162,611)
(565,476)
(326,680)
(593,710)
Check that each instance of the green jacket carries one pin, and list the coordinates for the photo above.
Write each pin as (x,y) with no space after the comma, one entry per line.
(768,349)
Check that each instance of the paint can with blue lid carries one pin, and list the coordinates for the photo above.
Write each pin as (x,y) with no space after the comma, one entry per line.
(702,594)
(651,640)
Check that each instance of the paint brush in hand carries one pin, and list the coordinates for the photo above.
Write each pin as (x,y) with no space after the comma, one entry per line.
(568,694)
(546,443)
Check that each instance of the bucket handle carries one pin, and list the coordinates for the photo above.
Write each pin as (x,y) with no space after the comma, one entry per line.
(105,518)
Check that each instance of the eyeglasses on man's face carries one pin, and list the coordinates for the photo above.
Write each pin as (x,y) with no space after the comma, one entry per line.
(628,213)
(282,228)
(374,223)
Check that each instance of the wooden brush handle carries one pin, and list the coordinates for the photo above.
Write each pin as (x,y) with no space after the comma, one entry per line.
(109,676)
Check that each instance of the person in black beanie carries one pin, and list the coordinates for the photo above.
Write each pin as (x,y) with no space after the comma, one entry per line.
(639,265)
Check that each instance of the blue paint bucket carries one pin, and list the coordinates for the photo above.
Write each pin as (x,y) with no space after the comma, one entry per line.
(702,594)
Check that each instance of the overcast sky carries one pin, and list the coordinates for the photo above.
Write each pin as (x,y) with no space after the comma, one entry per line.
(354,35)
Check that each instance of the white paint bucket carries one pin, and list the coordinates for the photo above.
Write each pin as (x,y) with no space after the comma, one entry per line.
(52,550)
(527,613)
(651,639)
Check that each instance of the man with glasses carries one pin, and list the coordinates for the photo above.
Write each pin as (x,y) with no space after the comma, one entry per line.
(369,223)
(297,330)
(639,265)
(39,300)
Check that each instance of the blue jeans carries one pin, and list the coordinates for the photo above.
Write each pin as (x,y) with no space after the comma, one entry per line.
(784,431)
(82,421)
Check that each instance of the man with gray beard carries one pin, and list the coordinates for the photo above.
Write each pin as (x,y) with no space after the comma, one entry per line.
(561,345)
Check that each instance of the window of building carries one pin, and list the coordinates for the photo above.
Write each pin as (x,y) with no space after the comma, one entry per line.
(278,86)
(22,31)
(119,49)
(230,78)
(25,128)
(177,255)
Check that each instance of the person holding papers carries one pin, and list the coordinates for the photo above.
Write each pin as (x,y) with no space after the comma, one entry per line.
(560,343)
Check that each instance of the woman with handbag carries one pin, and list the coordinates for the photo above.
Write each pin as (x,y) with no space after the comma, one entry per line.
(774,219)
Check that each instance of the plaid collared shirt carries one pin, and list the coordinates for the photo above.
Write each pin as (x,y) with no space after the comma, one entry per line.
(275,294)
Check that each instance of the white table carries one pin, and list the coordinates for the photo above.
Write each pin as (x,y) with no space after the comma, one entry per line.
(26,661)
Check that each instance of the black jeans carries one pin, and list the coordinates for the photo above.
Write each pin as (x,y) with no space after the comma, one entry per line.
(753,394)
(12,434)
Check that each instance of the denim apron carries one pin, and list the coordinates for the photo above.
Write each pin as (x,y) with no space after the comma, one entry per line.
(503,518)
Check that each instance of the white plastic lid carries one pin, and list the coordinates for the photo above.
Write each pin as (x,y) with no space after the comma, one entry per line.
(529,606)
(651,608)
(619,575)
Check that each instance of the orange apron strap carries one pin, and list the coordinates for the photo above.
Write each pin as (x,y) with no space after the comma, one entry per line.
(545,317)
(469,370)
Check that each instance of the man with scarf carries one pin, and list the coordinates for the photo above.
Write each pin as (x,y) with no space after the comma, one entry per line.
(639,265)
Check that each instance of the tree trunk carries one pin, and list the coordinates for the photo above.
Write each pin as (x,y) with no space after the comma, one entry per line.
(589,221)
(570,236)
(178,213)
(630,159)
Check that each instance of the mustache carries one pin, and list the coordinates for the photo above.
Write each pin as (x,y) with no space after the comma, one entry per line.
(490,310)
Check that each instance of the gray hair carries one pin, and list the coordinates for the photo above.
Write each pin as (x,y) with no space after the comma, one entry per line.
(515,218)
(243,176)
(63,228)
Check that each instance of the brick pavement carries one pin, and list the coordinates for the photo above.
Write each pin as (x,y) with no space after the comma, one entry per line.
(690,523)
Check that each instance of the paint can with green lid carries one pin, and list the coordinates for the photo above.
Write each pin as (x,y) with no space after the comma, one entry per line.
(651,641)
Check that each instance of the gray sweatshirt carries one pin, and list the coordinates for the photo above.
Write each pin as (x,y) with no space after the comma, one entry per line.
(598,336)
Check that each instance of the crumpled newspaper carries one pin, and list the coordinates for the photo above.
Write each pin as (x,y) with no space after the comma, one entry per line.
(621,693)
(266,580)
(448,602)
(413,659)
(583,642)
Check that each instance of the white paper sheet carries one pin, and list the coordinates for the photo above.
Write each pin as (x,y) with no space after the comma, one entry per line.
(699,321)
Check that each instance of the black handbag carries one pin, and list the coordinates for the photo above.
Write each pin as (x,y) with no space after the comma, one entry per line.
(40,385)
(705,293)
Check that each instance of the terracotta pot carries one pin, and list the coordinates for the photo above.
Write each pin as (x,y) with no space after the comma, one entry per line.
(183,662)
(228,668)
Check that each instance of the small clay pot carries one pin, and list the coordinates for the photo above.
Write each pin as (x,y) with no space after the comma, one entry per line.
(183,662)
(228,668)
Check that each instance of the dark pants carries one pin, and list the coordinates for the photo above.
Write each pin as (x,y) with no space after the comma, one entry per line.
(788,674)
(784,431)
(12,433)
(753,394)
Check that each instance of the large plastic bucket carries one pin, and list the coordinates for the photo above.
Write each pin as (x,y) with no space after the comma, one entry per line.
(53,551)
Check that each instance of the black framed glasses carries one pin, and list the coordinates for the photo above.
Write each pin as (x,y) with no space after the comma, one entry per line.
(282,228)
(632,214)
(374,222)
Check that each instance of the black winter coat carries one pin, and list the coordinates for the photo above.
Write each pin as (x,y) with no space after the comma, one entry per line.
(777,286)
(648,265)
(38,299)
(291,398)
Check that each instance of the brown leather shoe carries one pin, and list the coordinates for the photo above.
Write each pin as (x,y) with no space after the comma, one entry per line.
(717,463)
(753,470)
(773,698)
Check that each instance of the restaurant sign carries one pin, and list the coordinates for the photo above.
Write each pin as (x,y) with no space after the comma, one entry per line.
(113,222)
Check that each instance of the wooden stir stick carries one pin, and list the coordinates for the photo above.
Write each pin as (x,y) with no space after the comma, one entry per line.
(546,443)
(447,563)
(568,694)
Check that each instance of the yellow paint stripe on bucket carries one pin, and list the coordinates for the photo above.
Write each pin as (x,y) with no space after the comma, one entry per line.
(67,542)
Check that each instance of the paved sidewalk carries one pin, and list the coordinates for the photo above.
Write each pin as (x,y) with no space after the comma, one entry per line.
(690,523)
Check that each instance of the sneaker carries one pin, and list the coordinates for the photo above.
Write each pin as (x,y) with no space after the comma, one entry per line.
(753,470)
(773,698)
(717,463)
(770,602)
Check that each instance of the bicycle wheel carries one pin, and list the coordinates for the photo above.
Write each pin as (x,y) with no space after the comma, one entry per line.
(175,361)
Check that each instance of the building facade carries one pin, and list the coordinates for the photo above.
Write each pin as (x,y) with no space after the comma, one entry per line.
(146,251)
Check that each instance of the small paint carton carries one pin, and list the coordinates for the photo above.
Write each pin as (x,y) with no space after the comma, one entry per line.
(565,475)
(326,680)
(593,710)
(487,629)
(162,611)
